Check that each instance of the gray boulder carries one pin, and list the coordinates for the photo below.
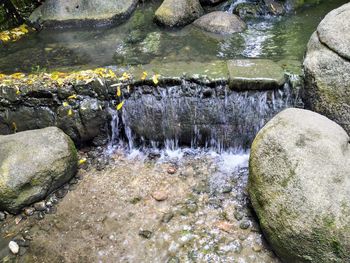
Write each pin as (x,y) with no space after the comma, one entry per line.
(175,13)
(220,23)
(33,164)
(61,13)
(299,186)
(327,68)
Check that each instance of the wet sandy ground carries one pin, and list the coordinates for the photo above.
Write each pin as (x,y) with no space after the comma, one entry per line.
(181,208)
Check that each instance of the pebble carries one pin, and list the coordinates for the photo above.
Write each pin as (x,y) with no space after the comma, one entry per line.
(14,247)
(224,226)
(2,216)
(145,233)
(40,206)
(238,215)
(29,211)
(257,248)
(167,217)
(171,170)
(40,215)
(60,193)
(160,195)
(244,224)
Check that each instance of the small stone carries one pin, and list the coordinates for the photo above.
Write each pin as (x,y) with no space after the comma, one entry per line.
(244,224)
(160,195)
(224,226)
(171,170)
(29,211)
(238,215)
(40,206)
(226,189)
(2,216)
(242,237)
(40,215)
(49,204)
(192,207)
(167,217)
(257,248)
(145,233)
(14,247)
(22,242)
(60,193)
(51,210)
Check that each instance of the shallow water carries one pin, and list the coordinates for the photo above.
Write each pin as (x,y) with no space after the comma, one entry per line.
(108,215)
(139,41)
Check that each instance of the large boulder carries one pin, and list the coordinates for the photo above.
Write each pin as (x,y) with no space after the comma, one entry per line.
(58,13)
(299,185)
(220,23)
(175,13)
(327,68)
(33,164)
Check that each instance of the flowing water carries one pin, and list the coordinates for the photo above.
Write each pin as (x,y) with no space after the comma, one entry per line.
(139,41)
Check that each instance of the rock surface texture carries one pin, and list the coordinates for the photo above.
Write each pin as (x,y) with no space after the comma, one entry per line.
(175,13)
(33,164)
(299,186)
(220,23)
(327,68)
(60,13)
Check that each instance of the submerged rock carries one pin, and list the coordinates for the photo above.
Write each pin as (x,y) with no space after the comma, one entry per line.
(58,13)
(299,187)
(33,164)
(327,68)
(220,23)
(255,74)
(175,13)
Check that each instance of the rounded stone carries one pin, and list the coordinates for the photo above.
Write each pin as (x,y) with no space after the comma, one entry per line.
(220,22)
(333,31)
(299,187)
(175,13)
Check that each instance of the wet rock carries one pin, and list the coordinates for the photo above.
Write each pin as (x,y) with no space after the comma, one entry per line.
(171,170)
(175,13)
(160,195)
(60,193)
(2,216)
(256,248)
(29,211)
(14,247)
(248,9)
(220,23)
(40,215)
(326,67)
(238,215)
(38,162)
(224,226)
(297,159)
(145,233)
(40,206)
(60,13)
(257,74)
(167,217)
(245,224)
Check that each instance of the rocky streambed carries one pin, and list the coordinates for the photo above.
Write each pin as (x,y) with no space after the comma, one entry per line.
(168,206)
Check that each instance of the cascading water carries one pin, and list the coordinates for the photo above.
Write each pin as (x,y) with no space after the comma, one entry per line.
(194,115)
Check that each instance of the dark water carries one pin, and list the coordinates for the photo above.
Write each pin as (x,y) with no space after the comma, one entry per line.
(139,41)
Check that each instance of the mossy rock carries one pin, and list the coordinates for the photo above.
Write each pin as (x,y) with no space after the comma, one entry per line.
(299,187)
(32,165)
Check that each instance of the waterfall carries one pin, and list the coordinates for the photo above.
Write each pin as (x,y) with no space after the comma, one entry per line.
(196,116)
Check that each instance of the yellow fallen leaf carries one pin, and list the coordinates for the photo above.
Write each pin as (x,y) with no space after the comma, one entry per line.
(17,91)
(17,75)
(72,97)
(2,76)
(70,112)
(65,104)
(23,28)
(119,93)
(14,126)
(144,75)
(82,161)
(155,79)
(120,105)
